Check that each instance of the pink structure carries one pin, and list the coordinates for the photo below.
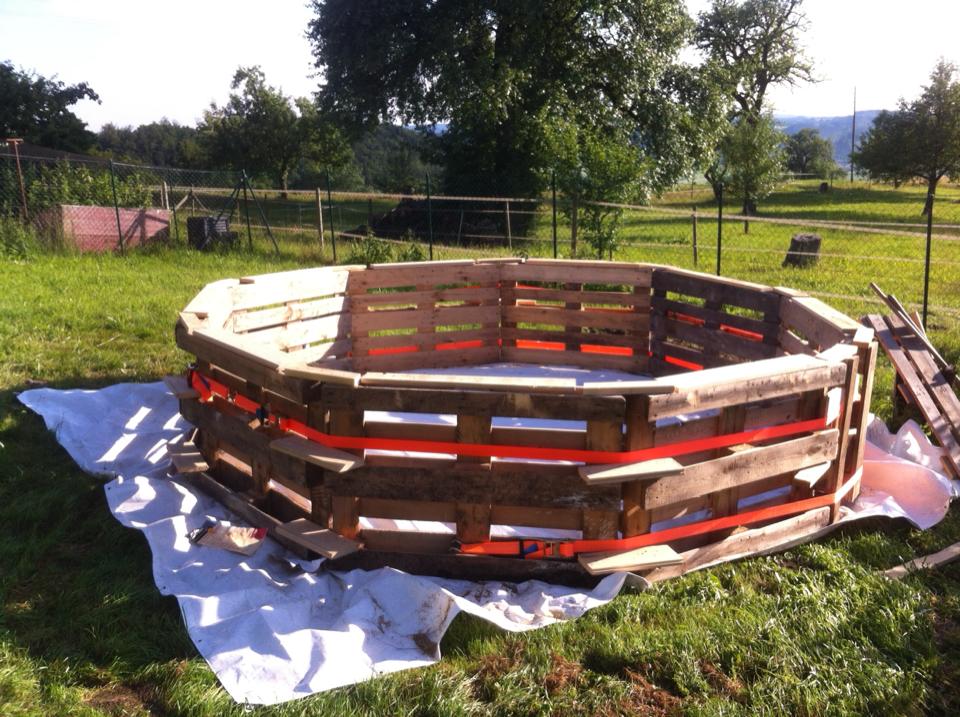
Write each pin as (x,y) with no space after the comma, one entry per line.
(94,229)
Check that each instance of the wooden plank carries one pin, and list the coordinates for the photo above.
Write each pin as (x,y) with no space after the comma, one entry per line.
(640,432)
(624,472)
(423,320)
(251,320)
(819,324)
(422,339)
(500,383)
(573,338)
(470,294)
(767,329)
(327,458)
(927,562)
(650,387)
(405,509)
(716,341)
(593,298)
(446,358)
(286,286)
(540,486)
(561,407)
(322,375)
(580,359)
(775,537)
(179,387)
(587,318)
(914,386)
(578,272)
(743,467)
(520,516)
(297,334)
(603,436)
(652,556)
(421,273)
(320,540)
(719,290)
(745,383)
(193,462)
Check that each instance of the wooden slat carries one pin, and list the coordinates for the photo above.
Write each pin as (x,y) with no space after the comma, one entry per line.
(745,383)
(320,540)
(743,467)
(468,382)
(193,462)
(282,287)
(250,320)
(652,556)
(581,359)
(428,359)
(179,387)
(578,272)
(322,375)
(767,329)
(539,486)
(717,289)
(914,386)
(327,458)
(815,321)
(560,407)
(718,341)
(574,337)
(422,320)
(419,274)
(587,318)
(594,298)
(624,472)
(469,294)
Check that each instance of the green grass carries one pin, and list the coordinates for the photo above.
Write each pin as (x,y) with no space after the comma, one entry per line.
(83,630)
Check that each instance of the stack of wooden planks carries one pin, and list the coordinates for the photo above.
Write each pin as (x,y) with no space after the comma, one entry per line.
(921,381)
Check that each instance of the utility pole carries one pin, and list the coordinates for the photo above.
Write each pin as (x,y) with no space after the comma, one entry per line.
(14,142)
(853,132)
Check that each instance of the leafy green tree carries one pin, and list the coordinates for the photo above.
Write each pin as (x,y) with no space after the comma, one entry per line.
(601,168)
(809,153)
(921,140)
(162,144)
(500,75)
(37,110)
(262,130)
(751,46)
(750,160)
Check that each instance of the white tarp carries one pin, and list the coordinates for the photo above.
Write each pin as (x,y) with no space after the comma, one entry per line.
(272,632)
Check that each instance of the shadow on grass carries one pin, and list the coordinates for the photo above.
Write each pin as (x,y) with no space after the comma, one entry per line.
(76,586)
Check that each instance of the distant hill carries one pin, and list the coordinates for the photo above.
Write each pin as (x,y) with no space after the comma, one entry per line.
(835,129)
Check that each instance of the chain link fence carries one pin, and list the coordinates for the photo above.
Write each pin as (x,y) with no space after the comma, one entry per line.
(862,233)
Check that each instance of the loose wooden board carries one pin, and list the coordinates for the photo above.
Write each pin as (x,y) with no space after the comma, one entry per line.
(652,556)
(626,472)
(327,458)
(942,557)
(322,541)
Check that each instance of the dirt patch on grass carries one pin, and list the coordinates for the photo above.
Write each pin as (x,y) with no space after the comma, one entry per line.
(720,681)
(646,699)
(562,673)
(120,701)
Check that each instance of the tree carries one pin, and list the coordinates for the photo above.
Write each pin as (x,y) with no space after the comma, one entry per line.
(750,160)
(262,130)
(921,140)
(809,153)
(37,110)
(502,75)
(751,46)
(162,144)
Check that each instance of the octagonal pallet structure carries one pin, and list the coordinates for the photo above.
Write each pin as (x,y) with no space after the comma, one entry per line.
(744,397)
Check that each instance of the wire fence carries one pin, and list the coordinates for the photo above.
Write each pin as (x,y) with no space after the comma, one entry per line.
(861,233)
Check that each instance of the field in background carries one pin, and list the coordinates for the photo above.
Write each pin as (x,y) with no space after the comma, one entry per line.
(813,631)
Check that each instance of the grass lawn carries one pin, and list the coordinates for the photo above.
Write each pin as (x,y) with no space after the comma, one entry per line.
(83,630)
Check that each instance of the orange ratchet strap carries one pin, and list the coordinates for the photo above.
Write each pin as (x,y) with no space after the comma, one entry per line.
(207,388)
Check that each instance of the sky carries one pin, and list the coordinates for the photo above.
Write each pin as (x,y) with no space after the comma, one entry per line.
(172,59)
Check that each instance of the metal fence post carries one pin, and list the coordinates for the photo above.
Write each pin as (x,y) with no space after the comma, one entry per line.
(553,183)
(719,225)
(333,235)
(116,208)
(926,261)
(429,218)
(694,219)
(320,221)
(246,209)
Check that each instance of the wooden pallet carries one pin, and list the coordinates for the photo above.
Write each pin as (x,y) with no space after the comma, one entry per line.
(921,383)
(327,347)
